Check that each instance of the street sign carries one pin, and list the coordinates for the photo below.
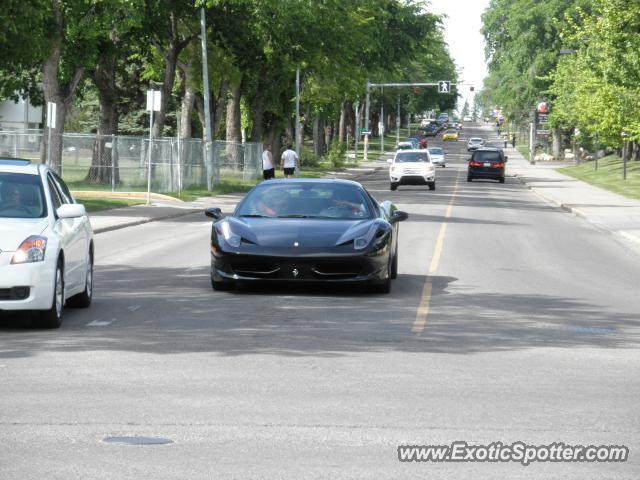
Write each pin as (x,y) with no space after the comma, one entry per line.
(444,86)
(365,132)
(153,100)
(51,114)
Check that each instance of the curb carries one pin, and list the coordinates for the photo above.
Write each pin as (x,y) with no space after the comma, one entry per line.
(144,220)
(620,234)
(128,195)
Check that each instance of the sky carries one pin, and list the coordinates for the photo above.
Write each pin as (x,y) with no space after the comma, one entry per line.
(466,45)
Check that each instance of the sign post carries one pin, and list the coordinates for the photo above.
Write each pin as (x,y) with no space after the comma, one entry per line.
(51,123)
(153,104)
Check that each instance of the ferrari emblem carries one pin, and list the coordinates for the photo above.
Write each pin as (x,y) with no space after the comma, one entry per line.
(295,273)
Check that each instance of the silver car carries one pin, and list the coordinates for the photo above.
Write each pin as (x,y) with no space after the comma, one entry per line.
(474,144)
(437,155)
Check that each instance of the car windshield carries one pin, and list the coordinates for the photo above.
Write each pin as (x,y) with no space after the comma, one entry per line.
(405,146)
(21,196)
(475,140)
(436,151)
(412,157)
(487,156)
(451,132)
(305,200)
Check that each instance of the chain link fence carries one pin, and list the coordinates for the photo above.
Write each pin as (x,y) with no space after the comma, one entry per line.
(121,162)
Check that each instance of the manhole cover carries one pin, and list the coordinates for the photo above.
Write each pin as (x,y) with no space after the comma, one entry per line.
(137,440)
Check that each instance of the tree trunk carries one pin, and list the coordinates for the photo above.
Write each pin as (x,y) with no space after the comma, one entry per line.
(258,115)
(342,126)
(234,150)
(319,146)
(176,45)
(557,143)
(103,161)
(62,94)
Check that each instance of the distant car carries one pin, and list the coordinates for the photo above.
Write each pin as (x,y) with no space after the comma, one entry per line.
(487,163)
(412,167)
(450,135)
(408,145)
(437,155)
(431,130)
(306,231)
(46,244)
(474,143)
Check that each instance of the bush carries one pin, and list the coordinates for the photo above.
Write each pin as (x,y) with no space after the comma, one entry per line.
(337,154)
(309,160)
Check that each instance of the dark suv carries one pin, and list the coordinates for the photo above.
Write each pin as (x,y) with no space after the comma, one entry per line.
(487,163)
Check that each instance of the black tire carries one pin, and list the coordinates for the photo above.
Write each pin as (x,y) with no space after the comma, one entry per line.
(502,180)
(394,265)
(385,286)
(469,178)
(52,318)
(83,299)
(221,286)
(443,165)
(432,186)
(393,187)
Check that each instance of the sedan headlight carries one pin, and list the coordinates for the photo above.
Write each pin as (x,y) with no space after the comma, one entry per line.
(31,250)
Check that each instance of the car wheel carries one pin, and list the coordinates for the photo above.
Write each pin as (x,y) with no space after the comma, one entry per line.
(221,286)
(83,299)
(502,180)
(469,178)
(52,318)
(443,165)
(432,186)
(384,287)
(394,265)
(393,187)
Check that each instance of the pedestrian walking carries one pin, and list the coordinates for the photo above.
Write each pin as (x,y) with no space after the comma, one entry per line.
(268,168)
(289,161)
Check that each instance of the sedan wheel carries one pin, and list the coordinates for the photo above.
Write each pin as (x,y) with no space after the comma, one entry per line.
(83,299)
(52,318)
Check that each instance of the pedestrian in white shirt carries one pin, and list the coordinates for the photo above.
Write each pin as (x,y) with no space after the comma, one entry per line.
(289,161)
(268,168)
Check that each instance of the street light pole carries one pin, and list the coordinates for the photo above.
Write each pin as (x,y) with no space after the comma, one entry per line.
(381,122)
(398,123)
(298,112)
(207,96)
(366,126)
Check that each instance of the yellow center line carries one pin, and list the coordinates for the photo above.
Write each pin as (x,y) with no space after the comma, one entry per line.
(425,299)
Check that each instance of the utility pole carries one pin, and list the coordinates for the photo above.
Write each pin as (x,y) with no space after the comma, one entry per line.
(297,125)
(357,132)
(398,123)
(381,122)
(207,97)
(366,126)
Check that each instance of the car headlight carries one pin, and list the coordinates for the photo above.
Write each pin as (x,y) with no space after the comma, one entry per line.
(231,238)
(31,250)
(362,242)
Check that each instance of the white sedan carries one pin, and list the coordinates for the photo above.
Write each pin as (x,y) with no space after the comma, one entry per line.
(412,167)
(46,244)
(437,155)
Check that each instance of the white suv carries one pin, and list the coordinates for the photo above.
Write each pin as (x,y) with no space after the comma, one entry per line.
(412,167)
(46,244)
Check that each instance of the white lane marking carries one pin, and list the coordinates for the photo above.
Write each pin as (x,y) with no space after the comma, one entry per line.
(134,308)
(101,323)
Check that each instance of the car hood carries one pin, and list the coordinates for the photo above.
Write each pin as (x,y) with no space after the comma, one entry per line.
(13,231)
(307,232)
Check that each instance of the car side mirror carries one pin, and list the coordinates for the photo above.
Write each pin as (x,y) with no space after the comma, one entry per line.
(506,158)
(71,210)
(389,160)
(399,216)
(214,213)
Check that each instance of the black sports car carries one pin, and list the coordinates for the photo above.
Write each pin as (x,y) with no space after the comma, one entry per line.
(306,230)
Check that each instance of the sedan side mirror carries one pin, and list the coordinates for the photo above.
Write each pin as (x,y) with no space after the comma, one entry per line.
(506,158)
(71,210)
(214,213)
(399,216)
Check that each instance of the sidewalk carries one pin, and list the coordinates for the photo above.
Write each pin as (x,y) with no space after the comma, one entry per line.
(606,210)
(162,209)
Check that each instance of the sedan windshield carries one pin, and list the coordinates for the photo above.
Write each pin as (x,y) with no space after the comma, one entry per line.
(21,196)
(436,151)
(305,200)
(412,157)
(475,140)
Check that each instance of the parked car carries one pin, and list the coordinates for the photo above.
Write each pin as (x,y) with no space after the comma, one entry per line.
(487,163)
(437,155)
(450,135)
(412,167)
(474,143)
(46,244)
(306,231)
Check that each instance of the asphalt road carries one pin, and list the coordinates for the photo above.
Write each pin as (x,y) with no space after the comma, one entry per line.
(510,320)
